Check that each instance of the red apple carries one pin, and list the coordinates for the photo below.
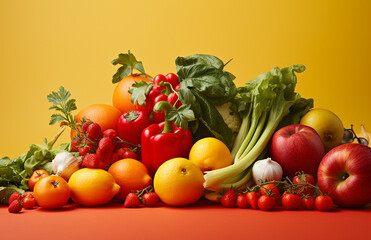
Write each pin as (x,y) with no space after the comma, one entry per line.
(297,148)
(345,174)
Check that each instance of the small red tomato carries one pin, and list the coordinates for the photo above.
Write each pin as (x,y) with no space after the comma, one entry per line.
(75,145)
(252,199)
(229,198)
(324,203)
(291,201)
(29,202)
(36,176)
(308,203)
(271,187)
(242,201)
(84,150)
(150,199)
(172,79)
(266,202)
(158,79)
(173,98)
(304,178)
(28,194)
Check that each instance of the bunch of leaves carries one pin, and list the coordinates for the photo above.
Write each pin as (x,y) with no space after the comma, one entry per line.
(63,105)
(15,173)
(203,85)
(129,63)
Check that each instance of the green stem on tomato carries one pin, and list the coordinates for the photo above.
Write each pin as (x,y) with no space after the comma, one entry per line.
(164,106)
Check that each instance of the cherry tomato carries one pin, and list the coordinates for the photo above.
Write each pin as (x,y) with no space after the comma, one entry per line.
(291,201)
(75,145)
(126,153)
(29,202)
(242,201)
(84,150)
(52,192)
(173,98)
(273,188)
(324,203)
(252,199)
(304,178)
(28,194)
(308,203)
(266,202)
(36,176)
(159,78)
(172,79)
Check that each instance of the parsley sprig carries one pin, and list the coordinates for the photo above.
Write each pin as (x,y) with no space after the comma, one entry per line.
(64,105)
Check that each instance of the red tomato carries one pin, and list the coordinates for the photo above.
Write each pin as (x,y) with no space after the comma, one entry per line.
(308,203)
(172,79)
(242,201)
(52,192)
(324,203)
(291,201)
(28,202)
(252,199)
(304,178)
(126,153)
(271,187)
(36,176)
(266,203)
(28,194)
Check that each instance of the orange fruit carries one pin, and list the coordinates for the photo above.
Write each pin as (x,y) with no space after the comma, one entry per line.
(121,97)
(179,182)
(105,115)
(131,175)
(92,187)
(209,154)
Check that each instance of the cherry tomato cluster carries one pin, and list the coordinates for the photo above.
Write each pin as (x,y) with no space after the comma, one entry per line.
(100,148)
(17,202)
(162,93)
(147,197)
(301,193)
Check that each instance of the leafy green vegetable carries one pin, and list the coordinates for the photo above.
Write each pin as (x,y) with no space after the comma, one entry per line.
(181,116)
(14,174)
(263,103)
(139,92)
(204,84)
(63,104)
(128,62)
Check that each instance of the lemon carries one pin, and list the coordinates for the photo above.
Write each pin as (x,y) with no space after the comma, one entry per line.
(210,154)
(92,187)
(178,182)
(327,124)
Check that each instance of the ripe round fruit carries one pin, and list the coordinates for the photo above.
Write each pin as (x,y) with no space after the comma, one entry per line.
(121,97)
(130,174)
(328,126)
(210,154)
(105,115)
(51,192)
(92,187)
(178,182)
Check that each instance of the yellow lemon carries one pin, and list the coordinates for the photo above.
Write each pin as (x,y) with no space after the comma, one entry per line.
(210,154)
(328,126)
(92,187)
(178,182)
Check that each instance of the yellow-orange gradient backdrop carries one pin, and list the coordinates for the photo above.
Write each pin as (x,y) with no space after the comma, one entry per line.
(46,44)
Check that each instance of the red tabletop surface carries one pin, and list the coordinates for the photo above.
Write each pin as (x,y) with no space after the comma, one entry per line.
(202,220)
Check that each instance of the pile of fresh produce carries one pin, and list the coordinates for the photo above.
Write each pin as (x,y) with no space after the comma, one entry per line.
(176,138)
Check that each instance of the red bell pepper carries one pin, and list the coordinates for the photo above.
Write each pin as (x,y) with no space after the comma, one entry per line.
(130,126)
(164,141)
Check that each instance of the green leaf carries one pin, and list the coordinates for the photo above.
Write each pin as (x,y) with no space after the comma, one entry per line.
(129,63)
(205,73)
(132,116)
(64,105)
(56,118)
(139,92)
(181,116)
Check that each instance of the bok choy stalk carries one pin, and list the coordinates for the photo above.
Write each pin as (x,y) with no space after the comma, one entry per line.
(265,103)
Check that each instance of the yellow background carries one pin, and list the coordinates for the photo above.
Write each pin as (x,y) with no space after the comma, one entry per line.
(45,44)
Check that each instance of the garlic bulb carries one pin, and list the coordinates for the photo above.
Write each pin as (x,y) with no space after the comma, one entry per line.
(64,164)
(266,170)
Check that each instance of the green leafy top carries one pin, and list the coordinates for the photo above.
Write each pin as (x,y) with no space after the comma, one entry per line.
(63,104)
(139,92)
(181,116)
(128,62)
(132,116)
